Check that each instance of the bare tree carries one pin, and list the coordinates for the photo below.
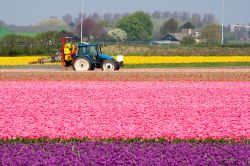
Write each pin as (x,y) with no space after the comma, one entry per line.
(2,23)
(96,17)
(53,17)
(208,19)
(186,16)
(67,18)
(116,17)
(108,17)
(196,19)
(175,15)
(157,15)
(89,28)
(166,14)
(77,20)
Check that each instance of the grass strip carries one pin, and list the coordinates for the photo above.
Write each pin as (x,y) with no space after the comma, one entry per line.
(131,66)
(31,66)
(188,65)
(113,140)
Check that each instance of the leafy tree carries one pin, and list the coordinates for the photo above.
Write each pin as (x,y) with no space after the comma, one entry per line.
(118,34)
(138,26)
(212,33)
(52,23)
(170,26)
(188,40)
(187,25)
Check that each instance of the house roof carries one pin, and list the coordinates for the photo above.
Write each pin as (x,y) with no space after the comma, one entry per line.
(173,37)
(179,36)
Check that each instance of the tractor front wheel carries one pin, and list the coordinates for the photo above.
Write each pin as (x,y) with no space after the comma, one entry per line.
(81,64)
(108,65)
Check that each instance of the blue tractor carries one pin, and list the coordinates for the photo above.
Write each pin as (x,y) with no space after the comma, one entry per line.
(88,57)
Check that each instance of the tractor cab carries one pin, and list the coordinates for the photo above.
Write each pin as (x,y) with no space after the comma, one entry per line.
(90,50)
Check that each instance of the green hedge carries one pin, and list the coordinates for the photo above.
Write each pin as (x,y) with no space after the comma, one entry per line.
(40,44)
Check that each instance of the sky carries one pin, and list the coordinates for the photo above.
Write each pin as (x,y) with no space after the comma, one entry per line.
(28,12)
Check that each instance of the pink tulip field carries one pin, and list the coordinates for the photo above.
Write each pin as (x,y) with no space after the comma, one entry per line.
(125,109)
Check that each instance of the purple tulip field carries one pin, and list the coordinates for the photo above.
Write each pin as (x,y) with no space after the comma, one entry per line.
(101,153)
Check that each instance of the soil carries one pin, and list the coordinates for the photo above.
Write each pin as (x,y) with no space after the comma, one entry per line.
(192,74)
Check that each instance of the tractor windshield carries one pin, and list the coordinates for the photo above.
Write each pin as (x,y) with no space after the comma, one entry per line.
(82,50)
(92,51)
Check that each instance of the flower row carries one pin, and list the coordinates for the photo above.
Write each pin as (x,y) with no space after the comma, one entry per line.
(19,60)
(183,59)
(170,110)
(99,153)
(24,60)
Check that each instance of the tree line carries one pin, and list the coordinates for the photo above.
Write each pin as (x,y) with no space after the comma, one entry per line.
(111,18)
(139,26)
(96,25)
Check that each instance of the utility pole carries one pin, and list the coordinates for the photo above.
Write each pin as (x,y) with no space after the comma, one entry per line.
(81,22)
(222,23)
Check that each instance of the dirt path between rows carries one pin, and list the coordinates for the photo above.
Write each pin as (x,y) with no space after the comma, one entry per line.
(191,74)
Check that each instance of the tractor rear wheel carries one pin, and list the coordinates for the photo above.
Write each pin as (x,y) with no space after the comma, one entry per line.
(81,64)
(108,65)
